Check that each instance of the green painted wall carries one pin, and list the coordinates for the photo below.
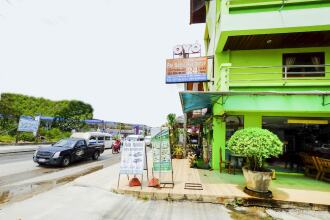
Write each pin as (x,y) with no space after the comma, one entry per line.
(269,76)
(219,141)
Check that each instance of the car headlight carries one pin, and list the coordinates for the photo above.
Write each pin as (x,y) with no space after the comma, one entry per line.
(57,154)
(35,153)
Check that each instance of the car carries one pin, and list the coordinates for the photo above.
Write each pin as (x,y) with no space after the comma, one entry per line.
(147,141)
(66,151)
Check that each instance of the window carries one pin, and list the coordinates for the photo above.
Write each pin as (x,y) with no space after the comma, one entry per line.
(100,139)
(107,138)
(303,65)
(92,138)
(80,143)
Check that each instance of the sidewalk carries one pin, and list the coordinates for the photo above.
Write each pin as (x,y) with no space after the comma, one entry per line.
(289,191)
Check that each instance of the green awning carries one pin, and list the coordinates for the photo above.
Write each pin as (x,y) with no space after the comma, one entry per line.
(197,100)
(269,101)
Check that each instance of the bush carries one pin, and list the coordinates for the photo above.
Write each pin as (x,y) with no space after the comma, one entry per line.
(256,144)
(7,139)
(26,137)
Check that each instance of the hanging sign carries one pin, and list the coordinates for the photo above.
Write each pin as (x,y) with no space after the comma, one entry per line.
(184,70)
(161,153)
(28,124)
(133,157)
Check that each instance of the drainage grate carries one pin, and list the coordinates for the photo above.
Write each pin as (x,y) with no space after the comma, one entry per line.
(193,186)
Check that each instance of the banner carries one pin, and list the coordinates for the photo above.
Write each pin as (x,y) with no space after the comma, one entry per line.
(184,70)
(28,124)
(161,152)
(132,157)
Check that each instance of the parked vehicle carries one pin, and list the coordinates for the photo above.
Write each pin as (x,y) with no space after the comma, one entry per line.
(147,141)
(95,138)
(67,151)
(135,137)
(116,146)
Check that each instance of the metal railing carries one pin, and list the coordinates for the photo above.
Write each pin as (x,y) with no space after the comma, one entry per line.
(281,75)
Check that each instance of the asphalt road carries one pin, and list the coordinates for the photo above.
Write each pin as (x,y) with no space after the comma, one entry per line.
(15,157)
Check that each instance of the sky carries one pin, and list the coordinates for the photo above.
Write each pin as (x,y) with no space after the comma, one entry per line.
(108,53)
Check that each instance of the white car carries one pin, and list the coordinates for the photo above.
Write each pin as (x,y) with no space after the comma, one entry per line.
(147,141)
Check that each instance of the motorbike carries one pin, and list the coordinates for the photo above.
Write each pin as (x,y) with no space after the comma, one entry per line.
(116,147)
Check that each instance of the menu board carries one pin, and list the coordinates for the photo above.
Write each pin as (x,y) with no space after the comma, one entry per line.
(132,157)
(161,154)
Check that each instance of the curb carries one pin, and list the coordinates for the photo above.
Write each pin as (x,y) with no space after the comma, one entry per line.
(227,201)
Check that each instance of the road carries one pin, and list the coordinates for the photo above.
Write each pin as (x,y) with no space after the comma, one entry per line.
(21,177)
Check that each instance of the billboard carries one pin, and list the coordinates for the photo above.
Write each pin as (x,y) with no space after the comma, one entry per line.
(28,124)
(184,70)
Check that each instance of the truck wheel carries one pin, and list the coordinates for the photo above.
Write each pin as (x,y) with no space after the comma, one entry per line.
(96,155)
(66,161)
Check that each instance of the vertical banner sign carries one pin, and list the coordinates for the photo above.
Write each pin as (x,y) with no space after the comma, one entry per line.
(162,153)
(132,158)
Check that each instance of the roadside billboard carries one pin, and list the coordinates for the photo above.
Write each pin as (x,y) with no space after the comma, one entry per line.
(183,70)
(28,124)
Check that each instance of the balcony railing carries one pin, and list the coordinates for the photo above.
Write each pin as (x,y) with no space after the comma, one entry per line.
(286,75)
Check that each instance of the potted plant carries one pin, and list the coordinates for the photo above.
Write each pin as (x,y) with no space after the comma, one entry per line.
(256,145)
(178,152)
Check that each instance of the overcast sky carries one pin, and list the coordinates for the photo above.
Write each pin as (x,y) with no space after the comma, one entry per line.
(108,53)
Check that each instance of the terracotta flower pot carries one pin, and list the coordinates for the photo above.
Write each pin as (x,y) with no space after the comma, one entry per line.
(178,156)
(257,181)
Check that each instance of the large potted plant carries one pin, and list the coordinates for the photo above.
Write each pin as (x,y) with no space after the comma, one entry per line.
(256,145)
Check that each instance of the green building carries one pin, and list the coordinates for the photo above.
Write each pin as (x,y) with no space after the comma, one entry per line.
(271,69)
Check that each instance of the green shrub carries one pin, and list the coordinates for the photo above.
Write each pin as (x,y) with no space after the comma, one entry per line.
(256,144)
(7,139)
(26,137)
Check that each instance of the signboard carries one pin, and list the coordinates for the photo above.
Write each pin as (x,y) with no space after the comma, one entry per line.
(132,157)
(161,153)
(28,124)
(184,70)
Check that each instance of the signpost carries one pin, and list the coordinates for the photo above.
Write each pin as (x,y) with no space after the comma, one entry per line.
(133,159)
(162,160)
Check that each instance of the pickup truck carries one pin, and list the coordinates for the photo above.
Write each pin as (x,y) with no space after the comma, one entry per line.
(67,151)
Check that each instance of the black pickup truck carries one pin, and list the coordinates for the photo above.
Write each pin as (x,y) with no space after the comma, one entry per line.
(67,151)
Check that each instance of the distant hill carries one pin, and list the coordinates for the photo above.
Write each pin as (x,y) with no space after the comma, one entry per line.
(17,104)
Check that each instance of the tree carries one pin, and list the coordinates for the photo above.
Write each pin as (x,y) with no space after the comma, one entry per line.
(72,116)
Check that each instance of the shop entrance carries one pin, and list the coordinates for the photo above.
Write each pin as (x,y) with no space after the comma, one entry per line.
(299,135)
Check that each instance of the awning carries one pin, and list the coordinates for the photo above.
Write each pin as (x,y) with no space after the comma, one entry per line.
(311,101)
(197,100)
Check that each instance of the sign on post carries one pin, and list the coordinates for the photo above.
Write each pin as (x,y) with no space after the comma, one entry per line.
(28,124)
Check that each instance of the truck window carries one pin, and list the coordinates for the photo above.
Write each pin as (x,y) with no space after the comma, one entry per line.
(100,139)
(107,138)
(80,143)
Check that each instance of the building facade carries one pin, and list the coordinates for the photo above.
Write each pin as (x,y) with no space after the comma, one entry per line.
(271,69)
